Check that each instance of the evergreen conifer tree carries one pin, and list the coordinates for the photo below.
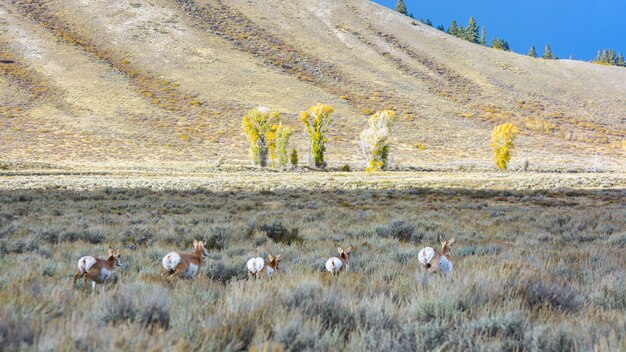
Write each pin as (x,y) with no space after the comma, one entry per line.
(620,60)
(453,29)
(532,52)
(497,43)
(547,53)
(483,36)
(598,56)
(471,32)
(611,57)
(401,7)
(460,32)
(441,28)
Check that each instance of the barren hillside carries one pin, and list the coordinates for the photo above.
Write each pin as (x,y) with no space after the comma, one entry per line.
(134,82)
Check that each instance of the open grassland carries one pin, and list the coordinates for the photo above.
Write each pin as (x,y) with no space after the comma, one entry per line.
(534,270)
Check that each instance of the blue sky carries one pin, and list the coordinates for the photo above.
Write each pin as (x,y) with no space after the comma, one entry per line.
(573,27)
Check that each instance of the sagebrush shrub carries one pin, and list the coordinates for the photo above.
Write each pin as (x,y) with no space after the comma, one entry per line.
(91,236)
(399,230)
(279,233)
(317,121)
(148,305)
(225,272)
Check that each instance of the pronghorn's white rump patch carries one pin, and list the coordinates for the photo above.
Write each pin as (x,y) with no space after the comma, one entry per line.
(333,265)
(85,263)
(170,261)
(445,265)
(425,255)
(255,264)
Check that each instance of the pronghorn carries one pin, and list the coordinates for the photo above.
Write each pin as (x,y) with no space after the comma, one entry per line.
(97,270)
(185,264)
(433,260)
(257,265)
(336,265)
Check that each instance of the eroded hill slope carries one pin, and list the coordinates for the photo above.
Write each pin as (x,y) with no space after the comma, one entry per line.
(168,80)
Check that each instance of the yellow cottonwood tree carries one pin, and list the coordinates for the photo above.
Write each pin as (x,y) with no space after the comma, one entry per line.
(502,138)
(374,140)
(283,134)
(317,120)
(257,125)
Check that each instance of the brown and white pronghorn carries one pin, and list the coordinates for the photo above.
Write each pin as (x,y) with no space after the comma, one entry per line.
(258,265)
(97,270)
(336,265)
(185,264)
(433,260)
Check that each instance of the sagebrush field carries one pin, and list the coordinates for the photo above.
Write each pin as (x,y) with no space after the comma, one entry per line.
(536,271)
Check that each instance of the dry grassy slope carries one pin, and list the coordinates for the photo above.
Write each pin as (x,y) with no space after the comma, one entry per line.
(168,80)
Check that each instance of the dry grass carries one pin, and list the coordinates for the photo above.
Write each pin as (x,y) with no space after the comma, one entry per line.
(533,270)
(171,80)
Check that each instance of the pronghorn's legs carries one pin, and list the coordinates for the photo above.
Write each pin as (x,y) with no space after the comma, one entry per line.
(178,272)
(78,275)
(250,275)
(85,282)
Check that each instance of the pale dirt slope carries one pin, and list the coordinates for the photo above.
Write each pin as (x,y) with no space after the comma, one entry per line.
(134,82)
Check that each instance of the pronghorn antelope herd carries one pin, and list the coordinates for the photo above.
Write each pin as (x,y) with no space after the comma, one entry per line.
(187,265)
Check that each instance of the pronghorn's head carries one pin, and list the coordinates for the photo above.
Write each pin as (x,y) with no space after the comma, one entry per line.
(114,256)
(345,253)
(274,261)
(198,247)
(446,246)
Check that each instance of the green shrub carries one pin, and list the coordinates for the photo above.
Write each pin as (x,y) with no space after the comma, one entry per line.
(399,230)
(145,304)
(279,233)
(294,158)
